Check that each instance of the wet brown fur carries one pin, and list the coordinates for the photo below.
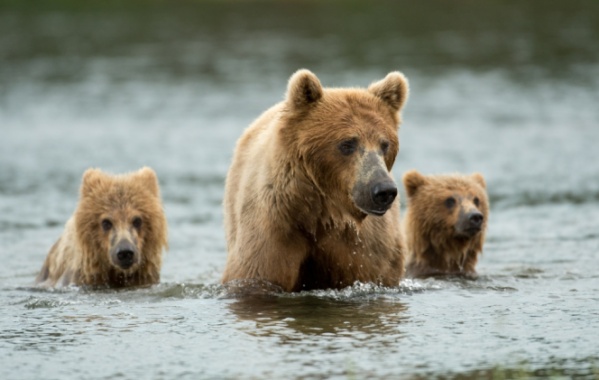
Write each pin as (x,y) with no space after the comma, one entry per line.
(80,256)
(289,215)
(432,246)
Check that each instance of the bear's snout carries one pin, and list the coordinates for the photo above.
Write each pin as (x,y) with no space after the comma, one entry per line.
(475,219)
(125,258)
(124,254)
(383,194)
(470,223)
(375,190)
(376,196)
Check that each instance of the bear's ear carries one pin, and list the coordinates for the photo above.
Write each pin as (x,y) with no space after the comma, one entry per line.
(478,178)
(303,89)
(393,90)
(412,180)
(149,179)
(92,180)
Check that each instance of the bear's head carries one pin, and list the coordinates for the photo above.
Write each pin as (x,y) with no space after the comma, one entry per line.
(345,140)
(120,222)
(447,210)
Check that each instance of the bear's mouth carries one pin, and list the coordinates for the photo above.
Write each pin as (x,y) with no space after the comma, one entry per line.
(126,269)
(469,232)
(376,212)
(125,266)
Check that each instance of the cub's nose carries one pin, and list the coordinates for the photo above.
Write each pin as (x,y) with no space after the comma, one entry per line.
(384,193)
(475,219)
(125,257)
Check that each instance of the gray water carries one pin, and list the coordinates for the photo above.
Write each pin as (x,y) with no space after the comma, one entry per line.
(510,89)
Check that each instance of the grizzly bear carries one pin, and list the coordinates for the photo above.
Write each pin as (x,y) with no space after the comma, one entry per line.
(116,236)
(309,198)
(445,223)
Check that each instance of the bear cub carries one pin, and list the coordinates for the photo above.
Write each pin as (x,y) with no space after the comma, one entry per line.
(445,223)
(115,237)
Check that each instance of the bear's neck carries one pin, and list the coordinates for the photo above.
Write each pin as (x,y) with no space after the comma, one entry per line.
(99,273)
(452,257)
(113,278)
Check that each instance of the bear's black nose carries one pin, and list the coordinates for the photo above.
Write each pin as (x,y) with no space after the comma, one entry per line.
(475,219)
(125,257)
(384,193)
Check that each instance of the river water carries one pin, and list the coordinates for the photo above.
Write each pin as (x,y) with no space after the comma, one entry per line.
(509,89)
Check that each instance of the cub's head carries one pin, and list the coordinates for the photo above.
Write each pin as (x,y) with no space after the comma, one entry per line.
(346,140)
(447,208)
(120,221)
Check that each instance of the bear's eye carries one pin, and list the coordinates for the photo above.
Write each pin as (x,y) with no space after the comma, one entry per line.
(106,225)
(348,147)
(385,147)
(137,222)
(476,201)
(450,202)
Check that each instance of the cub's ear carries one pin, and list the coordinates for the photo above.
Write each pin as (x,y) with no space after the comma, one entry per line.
(478,178)
(92,181)
(393,90)
(412,180)
(149,179)
(303,89)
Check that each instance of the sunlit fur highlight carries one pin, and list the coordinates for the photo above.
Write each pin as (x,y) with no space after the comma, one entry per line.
(81,255)
(432,246)
(289,215)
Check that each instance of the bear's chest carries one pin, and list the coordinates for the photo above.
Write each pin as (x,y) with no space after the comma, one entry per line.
(338,260)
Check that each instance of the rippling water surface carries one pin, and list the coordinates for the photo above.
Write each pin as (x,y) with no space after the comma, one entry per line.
(509,89)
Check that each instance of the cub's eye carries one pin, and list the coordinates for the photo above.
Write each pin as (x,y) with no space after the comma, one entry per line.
(137,222)
(106,225)
(385,147)
(450,202)
(348,147)
(476,201)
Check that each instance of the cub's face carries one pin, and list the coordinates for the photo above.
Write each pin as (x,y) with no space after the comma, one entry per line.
(449,206)
(347,139)
(121,232)
(120,217)
(462,212)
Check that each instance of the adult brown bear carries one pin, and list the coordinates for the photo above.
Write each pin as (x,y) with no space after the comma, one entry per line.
(309,199)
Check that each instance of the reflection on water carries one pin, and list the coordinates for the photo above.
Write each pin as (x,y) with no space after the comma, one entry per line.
(585,368)
(312,315)
(509,89)
(366,330)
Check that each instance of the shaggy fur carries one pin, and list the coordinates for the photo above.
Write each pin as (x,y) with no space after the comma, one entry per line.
(434,242)
(292,198)
(111,210)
